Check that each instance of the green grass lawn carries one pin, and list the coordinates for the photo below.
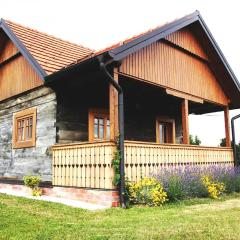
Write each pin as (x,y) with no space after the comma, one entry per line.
(191,219)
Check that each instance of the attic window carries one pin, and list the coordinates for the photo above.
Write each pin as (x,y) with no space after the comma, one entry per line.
(24,128)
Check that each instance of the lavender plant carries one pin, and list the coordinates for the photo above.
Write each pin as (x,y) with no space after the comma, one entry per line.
(186,181)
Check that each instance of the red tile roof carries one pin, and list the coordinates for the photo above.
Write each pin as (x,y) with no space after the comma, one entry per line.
(50,52)
(53,53)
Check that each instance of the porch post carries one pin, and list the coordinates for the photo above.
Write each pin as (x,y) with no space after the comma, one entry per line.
(185,124)
(113,108)
(227,126)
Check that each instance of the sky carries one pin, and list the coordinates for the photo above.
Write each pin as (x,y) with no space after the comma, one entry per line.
(100,23)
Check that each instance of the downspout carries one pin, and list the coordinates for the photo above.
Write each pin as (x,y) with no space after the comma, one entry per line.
(121,130)
(233,139)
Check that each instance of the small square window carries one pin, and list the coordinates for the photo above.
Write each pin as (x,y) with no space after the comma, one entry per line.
(99,125)
(24,128)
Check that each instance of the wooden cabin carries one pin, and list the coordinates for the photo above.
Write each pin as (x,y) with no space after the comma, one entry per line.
(59,114)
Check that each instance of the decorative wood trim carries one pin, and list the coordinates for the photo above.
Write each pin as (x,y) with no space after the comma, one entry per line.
(185,122)
(227,126)
(184,96)
(174,45)
(100,113)
(173,131)
(18,54)
(22,115)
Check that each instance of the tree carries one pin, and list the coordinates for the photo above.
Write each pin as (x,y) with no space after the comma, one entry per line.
(194,140)
(223,144)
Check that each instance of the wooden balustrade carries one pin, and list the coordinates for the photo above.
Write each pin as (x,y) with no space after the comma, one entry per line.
(90,164)
(83,165)
(143,159)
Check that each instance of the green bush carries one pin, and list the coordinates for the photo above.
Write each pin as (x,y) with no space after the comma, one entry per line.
(32,181)
(147,191)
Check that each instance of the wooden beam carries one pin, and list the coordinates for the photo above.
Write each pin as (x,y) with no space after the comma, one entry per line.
(184,96)
(185,123)
(113,108)
(227,126)
(5,61)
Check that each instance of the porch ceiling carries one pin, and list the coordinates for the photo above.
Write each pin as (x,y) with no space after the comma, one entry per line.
(156,97)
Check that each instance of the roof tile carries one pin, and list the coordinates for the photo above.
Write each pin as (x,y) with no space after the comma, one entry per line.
(50,52)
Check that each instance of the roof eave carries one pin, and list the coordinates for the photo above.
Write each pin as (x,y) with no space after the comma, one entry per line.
(124,50)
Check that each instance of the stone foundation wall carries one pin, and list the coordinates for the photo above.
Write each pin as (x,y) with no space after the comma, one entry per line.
(108,198)
(35,160)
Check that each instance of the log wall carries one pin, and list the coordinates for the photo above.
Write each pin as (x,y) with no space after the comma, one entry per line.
(35,160)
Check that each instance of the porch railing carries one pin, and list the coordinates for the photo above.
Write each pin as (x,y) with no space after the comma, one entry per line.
(83,165)
(142,159)
(90,164)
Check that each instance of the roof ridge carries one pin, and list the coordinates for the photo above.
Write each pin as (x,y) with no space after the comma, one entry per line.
(47,34)
(137,35)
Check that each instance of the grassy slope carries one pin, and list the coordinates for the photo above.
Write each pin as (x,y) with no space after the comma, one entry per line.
(197,219)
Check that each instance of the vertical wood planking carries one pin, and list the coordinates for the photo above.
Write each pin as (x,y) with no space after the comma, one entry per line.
(166,66)
(90,164)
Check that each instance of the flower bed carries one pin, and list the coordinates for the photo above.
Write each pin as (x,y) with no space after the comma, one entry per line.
(185,182)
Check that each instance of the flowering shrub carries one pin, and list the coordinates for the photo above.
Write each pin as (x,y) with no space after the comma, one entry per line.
(214,188)
(33,183)
(175,188)
(186,181)
(182,183)
(37,192)
(147,191)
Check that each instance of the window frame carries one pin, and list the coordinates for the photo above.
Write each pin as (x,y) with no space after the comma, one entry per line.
(23,115)
(172,135)
(99,113)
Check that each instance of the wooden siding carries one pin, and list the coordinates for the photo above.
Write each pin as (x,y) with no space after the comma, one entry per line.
(8,49)
(169,67)
(16,77)
(186,39)
(90,164)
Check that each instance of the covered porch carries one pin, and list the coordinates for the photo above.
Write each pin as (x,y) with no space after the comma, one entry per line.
(156,132)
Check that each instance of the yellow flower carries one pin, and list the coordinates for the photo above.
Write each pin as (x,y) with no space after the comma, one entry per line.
(215,189)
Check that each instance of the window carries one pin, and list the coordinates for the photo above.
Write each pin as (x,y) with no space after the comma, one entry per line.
(24,128)
(99,125)
(165,130)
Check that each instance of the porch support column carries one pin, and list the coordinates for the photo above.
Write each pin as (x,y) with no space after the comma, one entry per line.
(227,126)
(185,123)
(113,108)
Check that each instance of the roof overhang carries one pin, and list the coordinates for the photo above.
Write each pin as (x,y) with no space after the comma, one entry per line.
(120,52)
